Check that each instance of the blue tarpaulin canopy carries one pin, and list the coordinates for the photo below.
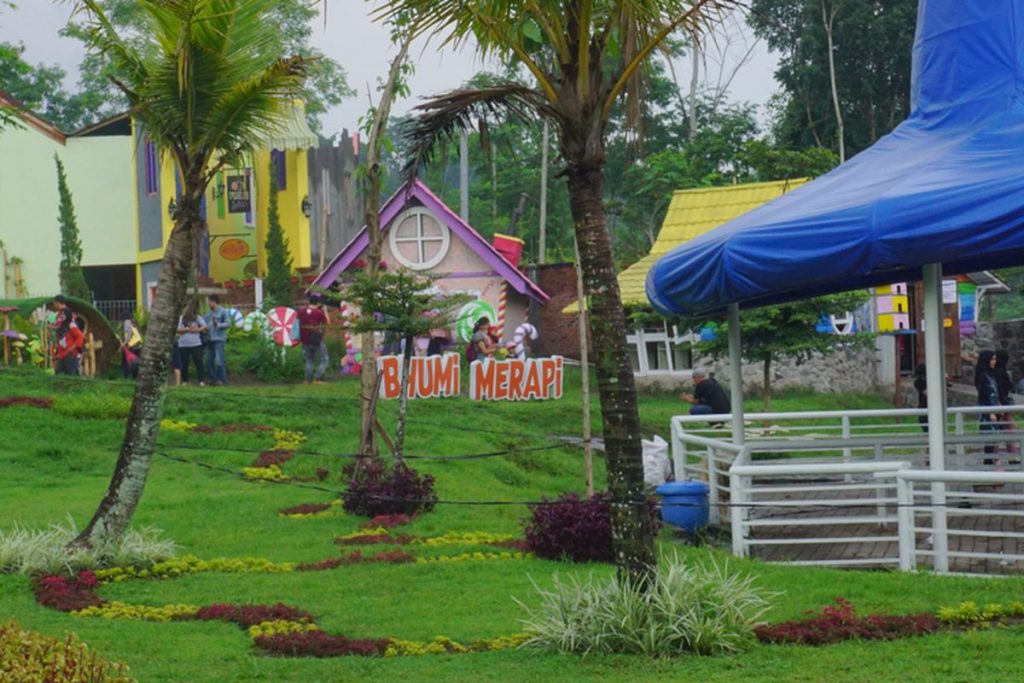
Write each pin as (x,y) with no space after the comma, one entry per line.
(946,186)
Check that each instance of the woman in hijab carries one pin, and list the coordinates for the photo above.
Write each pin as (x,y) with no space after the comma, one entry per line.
(986,381)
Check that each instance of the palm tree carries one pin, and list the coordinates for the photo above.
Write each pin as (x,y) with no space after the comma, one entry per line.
(584,56)
(207,83)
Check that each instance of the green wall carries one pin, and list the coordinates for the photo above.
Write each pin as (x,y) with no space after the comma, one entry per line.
(100,177)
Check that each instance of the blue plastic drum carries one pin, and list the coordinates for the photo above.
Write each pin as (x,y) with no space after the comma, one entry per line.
(685,504)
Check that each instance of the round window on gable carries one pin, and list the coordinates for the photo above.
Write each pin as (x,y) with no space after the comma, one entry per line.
(418,240)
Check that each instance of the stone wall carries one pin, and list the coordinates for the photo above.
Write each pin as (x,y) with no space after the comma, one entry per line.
(846,369)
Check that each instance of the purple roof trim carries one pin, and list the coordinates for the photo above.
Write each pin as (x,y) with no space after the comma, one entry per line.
(399,201)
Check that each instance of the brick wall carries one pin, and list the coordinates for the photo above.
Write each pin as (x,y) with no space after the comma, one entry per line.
(559,332)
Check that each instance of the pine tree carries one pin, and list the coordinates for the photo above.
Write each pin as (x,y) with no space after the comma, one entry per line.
(278,283)
(72,279)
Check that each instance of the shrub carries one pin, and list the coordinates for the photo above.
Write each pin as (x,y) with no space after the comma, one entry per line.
(26,551)
(30,657)
(574,528)
(67,594)
(376,487)
(702,609)
(840,622)
(266,360)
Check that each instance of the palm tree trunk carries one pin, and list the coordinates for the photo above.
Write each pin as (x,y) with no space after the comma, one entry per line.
(142,428)
(632,532)
(766,387)
(403,399)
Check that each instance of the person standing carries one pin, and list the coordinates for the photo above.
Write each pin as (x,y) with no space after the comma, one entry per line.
(313,321)
(480,344)
(986,382)
(70,342)
(708,397)
(216,339)
(190,342)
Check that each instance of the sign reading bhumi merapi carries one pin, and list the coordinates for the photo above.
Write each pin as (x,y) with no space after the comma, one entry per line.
(429,376)
(533,379)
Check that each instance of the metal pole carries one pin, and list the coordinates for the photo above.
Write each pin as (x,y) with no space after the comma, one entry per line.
(464,176)
(542,238)
(936,377)
(735,374)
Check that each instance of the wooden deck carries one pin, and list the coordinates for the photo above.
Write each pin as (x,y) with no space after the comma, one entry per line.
(874,545)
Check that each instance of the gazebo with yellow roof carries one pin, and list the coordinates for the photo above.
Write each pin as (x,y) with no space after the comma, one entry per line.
(691,213)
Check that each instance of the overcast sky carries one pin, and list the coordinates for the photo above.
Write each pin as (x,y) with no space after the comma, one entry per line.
(351,38)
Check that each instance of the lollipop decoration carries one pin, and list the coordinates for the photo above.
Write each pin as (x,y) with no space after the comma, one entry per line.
(284,323)
(255,320)
(468,315)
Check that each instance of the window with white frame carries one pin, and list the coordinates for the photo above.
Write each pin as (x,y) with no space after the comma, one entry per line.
(660,349)
(418,239)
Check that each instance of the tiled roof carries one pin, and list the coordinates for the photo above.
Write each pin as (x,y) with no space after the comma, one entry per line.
(691,214)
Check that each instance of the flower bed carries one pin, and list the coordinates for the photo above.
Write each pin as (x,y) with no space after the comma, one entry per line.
(839,621)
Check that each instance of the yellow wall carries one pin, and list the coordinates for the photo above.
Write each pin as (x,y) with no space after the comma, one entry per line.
(289,202)
(236,249)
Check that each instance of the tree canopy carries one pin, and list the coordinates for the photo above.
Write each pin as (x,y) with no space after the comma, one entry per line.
(872,45)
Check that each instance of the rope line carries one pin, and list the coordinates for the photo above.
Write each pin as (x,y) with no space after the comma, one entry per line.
(531,503)
(357,456)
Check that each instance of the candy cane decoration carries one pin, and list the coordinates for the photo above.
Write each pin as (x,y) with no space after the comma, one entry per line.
(518,338)
(502,305)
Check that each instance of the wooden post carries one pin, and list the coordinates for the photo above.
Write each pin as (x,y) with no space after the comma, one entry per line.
(7,340)
(588,455)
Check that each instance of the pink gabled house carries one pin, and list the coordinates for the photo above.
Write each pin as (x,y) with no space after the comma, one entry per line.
(423,234)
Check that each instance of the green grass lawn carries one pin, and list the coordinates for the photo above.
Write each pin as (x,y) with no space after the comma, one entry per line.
(58,462)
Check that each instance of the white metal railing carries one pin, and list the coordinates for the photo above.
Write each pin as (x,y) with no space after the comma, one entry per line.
(821,477)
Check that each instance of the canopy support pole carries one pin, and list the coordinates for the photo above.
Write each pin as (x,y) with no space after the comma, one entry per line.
(935,364)
(735,374)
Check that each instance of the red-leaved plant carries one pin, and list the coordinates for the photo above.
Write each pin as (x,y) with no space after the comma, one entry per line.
(376,487)
(387,521)
(306,509)
(356,557)
(268,458)
(67,594)
(31,401)
(250,615)
(579,529)
(839,621)
(319,644)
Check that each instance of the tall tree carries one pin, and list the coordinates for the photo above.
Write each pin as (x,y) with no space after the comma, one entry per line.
(326,84)
(583,56)
(279,261)
(72,279)
(208,82)
(40,89)
(871,46)
(374,169)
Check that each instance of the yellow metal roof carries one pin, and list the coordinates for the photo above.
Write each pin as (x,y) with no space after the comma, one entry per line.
(691,214)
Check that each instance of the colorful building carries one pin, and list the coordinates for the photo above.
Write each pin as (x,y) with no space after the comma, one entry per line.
(98,165)
(423,234)
(235,207)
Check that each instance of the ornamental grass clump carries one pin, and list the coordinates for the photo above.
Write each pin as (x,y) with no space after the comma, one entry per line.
(376,487)
(27,551)
(30,657)
(702,609)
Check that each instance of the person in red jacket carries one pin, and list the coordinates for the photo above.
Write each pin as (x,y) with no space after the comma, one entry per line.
(70,342)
